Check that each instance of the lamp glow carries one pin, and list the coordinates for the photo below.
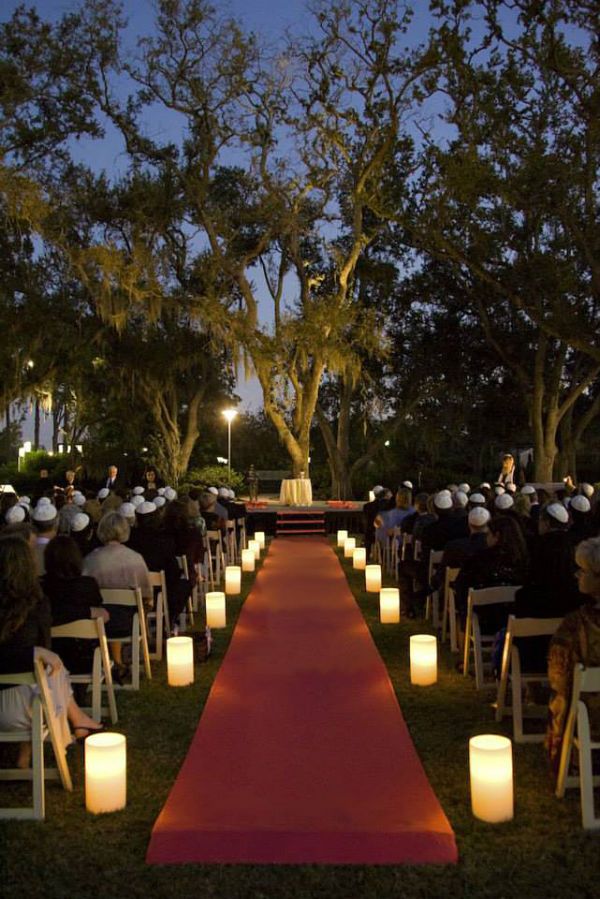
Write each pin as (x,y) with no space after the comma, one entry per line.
(105,773)
(491,770)
(248,560)
(359,558)
(180,661)
(423,660)
(216,615)
(342,536)
(371,496)
(233,580)
(259,536)
(349,547)
(389,605)
(254,545)
(373,578)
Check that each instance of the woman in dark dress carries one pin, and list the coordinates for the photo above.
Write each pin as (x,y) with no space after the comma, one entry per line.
(24,638)
(72,596)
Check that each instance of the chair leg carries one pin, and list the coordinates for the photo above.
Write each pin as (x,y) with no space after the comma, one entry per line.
(97,687)
(37,761)
(565,757)
(586,775)
(452,619)
(467,647)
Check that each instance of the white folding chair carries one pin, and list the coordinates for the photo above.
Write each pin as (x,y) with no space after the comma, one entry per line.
(511,670)
(417,551)
(407,540)
(241,529)
(449,623)
(92,629)
(432,606)
(474,639)
(395,551)
(214,558)
(43,724)
(192,602)
(160,614)
(231,543)
(132,597)
(578,735)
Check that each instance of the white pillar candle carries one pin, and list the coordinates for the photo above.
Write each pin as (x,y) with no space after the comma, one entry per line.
(349,547)
(105,773)
(342,536)
(260,537)
(180,661)
(423,660)
(373,578)
(389,605)
(359,558)
(371,496)
(490,764)
(254,545)
(233,580)
(216,615)
(248,559)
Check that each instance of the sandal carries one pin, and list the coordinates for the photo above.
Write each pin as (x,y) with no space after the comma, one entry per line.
(88,732)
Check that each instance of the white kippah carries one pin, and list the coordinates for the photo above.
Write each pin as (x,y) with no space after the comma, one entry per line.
(580,503)
(464,488)
(79,498)
(499,490)
(528,489)
(137,491)
(478,517)
(80,522)
(558,512)
(477,499)
(504,501)
(443,500)
(45,512)
(586,489)
(15,515)
(461,497)
(159,501)
(145,508)
(25,499)
(137,500)
(127,510)
(170,494)
(103,492)
(43,501)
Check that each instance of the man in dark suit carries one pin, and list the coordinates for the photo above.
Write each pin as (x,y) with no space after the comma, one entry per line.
(113,481)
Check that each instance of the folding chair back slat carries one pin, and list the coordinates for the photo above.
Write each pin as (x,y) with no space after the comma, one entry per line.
(578,735)
(132,598)
(92,629)
(474,639)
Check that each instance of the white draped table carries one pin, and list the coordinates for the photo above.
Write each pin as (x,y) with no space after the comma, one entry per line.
(296,492)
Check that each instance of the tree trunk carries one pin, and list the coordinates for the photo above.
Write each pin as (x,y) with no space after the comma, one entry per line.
(36,424)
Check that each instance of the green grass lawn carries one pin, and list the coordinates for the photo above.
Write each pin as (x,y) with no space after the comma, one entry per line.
(542,853)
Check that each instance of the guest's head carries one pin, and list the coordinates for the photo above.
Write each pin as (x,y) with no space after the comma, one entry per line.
(62,558)
(20,591)
(113,528)
(587,557)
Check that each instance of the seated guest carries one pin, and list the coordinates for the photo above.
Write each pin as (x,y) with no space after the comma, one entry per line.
(577,641)
(115,566)
(208,508)
(371,510)
(582,523)
(504,561)
(72,596)
(550,589)
(45,522)
(83,533)
(179,523)
(25,637)
(152,482)
(158,551)
(456,552)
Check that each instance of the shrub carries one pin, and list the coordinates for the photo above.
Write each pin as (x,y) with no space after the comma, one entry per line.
(216,476)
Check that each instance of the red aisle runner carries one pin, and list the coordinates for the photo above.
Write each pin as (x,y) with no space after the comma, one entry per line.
(301,754)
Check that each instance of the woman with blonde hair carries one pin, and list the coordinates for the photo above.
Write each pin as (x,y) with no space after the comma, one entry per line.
(577,641)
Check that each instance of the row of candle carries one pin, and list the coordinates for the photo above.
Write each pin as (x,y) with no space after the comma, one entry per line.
(490,755)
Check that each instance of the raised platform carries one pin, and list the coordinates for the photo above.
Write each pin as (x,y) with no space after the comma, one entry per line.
(268,517)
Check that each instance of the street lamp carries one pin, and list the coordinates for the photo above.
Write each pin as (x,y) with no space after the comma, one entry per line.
(229,415)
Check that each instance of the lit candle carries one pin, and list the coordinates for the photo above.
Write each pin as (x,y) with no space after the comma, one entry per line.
(490,764)
(389,605)
(248,560)
(180,661)
(349,547)
(216,615)
(254,545)
(233,580)
(371,496)
(342,536)
(373,578)
(423,660)
(359,558)
(105,773)
(260,537)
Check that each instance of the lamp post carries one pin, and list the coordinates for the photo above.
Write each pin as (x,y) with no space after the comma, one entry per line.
(229,415)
